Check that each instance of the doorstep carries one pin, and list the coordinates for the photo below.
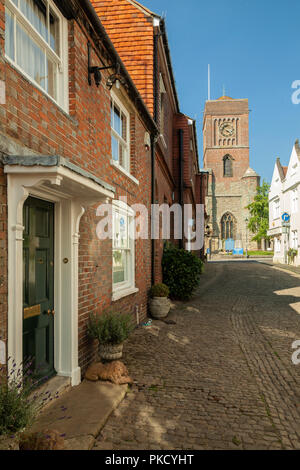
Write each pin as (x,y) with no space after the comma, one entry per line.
(81,413)
(56,386)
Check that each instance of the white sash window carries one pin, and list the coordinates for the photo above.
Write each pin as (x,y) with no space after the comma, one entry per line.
(36,43)
(123,250)
(120,135)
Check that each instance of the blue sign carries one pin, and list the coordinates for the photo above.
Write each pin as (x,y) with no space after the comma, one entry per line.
(238,251)
(229,244)
(286,217)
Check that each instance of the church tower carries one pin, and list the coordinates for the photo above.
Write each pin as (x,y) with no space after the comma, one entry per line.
(232,183)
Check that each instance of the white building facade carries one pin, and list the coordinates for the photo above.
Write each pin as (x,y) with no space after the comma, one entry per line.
(284,210)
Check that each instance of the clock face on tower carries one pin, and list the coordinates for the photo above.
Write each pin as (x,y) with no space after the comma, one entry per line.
(226,129)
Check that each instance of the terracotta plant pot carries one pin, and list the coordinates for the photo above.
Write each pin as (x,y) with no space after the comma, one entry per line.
(160,307)
(110,352)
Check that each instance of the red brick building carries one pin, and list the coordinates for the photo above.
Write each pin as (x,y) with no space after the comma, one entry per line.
(140,38)
(66,146)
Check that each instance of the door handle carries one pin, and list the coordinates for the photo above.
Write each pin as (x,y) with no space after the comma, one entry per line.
(53,312)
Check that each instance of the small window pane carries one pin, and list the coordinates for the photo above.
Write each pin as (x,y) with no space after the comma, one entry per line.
(115,148)
(30,57)
(117,120)
(51,79)
(54,32)
(9,35)
(119,266)
(123,232)
(36,13)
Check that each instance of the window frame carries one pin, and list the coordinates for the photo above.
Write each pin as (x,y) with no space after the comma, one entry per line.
(228,226)
(127,168)
(127,287)
(294,200)
(276,209)
(61,61)
(277,247)
(294,240)
(227,159)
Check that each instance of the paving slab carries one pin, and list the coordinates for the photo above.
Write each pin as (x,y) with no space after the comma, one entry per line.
(81,413)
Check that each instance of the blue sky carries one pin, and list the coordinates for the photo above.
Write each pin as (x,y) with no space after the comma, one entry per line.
(253,49)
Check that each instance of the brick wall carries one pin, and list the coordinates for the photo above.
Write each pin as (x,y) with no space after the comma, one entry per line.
(3,258)
(3,207)
(33,123)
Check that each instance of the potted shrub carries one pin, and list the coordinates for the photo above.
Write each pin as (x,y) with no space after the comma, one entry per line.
(181,272)
(159,303)
(111,329)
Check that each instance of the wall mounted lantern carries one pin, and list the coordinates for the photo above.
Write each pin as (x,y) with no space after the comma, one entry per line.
(116,78)
(96,71)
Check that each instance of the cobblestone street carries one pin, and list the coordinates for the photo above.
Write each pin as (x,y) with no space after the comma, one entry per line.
(222,376)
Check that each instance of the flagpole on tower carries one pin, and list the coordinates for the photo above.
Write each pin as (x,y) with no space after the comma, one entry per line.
(208,82)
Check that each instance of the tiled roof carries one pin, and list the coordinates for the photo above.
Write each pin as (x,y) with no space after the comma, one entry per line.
(297,148)
(281,169)
(131,31)
(138,4)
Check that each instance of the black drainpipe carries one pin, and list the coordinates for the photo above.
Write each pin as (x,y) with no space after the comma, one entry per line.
(155,110)
(152,202)
(155,76)
(181,188)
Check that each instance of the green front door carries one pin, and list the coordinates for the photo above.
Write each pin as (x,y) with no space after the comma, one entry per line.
(38,287)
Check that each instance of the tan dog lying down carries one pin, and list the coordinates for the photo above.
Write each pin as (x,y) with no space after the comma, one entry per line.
(116,372)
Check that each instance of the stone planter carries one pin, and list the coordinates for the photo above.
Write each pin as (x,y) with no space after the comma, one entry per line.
(160,307)
(110,352)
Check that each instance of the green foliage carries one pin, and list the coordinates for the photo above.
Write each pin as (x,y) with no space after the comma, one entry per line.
(18,406)
(181,272)
(259,213)
(159,290)
(110,327)
(292,253)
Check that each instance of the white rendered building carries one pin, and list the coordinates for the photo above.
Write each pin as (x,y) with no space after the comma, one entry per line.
(284,199)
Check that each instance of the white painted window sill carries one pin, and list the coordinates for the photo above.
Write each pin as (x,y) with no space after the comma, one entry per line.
(119,294)
(119,167)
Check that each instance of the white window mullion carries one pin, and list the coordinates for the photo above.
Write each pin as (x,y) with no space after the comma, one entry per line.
(15,37)
(48,23)
(46,71)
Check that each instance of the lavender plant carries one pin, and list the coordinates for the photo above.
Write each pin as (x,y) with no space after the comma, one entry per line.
(19,404)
